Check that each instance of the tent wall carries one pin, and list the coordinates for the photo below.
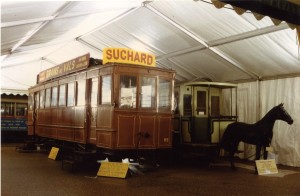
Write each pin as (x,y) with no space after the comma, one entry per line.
(255,99)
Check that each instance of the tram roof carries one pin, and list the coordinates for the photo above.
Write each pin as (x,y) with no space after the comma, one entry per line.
(212,84)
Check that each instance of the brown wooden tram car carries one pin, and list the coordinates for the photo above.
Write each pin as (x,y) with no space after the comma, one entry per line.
(118,109)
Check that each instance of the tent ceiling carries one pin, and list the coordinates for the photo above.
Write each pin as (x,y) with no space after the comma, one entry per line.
(195,38)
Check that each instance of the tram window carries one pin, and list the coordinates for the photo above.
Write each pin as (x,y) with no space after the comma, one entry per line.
(54,97)
(7,109)
(215,105)
(147,92)
(62,95)
(42,98)
(94,92)
(37,103)
(21,109)
(187,105)
(164,89)
(127,91)
(70,101)
(106,90)
(81,92)
(47,97)
(201,102)
(30,101)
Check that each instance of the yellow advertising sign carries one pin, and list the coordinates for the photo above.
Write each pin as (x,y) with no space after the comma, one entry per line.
(123,55)
(113,169)
(53,153)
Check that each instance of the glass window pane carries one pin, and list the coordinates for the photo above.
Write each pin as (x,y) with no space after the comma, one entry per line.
(30,101)
(54,97)
(94,92)
(187,105)
(147,92)
(201,103)
(7,109)
(215,105)
(37,103)
(71,93)
(81,92)
(128,92)
(21,109)
(164,90)
(42,98)
(106,90)
(47,96)
(62,95)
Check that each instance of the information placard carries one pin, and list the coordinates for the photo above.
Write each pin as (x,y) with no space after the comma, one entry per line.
(266,167)
(113,169)
(53,153)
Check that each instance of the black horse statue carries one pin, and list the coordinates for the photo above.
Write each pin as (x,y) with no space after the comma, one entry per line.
(259,134)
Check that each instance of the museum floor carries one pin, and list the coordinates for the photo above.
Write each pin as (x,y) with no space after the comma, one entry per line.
(35,174)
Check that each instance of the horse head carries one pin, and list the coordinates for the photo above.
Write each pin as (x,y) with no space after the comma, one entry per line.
(282,114)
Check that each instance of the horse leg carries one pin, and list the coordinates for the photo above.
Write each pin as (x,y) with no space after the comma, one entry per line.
(257,155)
(231,154)
(265,152)
(231,159)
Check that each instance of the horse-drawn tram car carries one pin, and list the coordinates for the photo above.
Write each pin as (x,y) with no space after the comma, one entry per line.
(117,110)
(202,114)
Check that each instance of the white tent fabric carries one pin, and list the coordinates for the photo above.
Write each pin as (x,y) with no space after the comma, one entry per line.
(194,38)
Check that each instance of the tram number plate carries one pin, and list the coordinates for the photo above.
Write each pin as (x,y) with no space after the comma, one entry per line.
(113,169)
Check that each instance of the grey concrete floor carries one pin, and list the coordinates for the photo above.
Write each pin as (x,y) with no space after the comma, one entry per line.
(35,174)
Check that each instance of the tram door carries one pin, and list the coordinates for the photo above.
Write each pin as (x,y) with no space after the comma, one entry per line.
(92,109)
(200,132)
(206,104)
(32,113)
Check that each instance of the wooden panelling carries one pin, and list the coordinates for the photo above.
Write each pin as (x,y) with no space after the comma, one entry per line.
(92,128)
(80,117)
(65,134)
(30,130)
(105,139)
(30,118)
(164,131)
(104,117)
(46,131)
(79,135)
(146,131)
(126,125)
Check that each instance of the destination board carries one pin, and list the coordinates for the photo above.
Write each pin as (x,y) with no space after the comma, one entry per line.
(113,169)
(70,66)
